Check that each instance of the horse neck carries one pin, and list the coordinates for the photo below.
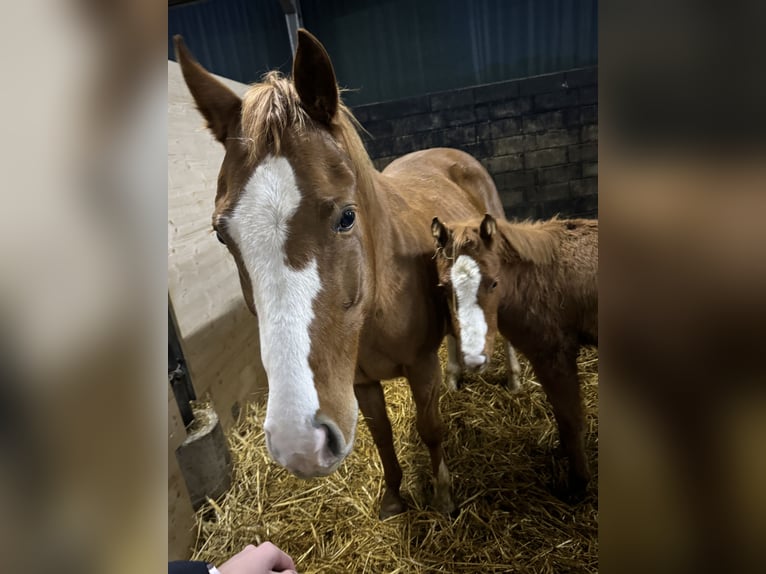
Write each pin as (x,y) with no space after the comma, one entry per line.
(378,230)
(527,251)
(535,244)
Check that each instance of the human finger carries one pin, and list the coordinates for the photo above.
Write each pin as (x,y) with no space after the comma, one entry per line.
(273,558)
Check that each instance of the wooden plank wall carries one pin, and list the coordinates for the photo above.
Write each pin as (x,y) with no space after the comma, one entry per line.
(219,335)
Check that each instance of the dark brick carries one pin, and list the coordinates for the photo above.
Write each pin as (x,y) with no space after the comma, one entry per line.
(583,152)
(586,186)
(582,77)
(503,128)
(562,206)
(589,95)
(480,149)
(571,117)
(542,84)
(510,108)
(379,129)
(556,100)
(555,138)
(512,198)
(505,163)
(452,99)
(552,191)
(516,180)
(545,157)
(530,142)
(437,139)
(590,169)
(398,108)
(584,206)
(459,135)
(589,114)
(362,114)
(418,123)
(407,144)
(543,121)
(459,116)
(380,147)
(526,210)
(482,113)
(496,92)
(509,145)
(561,173)
(589,133)
(484,131)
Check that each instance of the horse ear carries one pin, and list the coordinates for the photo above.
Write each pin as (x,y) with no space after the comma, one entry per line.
(314,78)
(439,231)
(217,103)
(488,227)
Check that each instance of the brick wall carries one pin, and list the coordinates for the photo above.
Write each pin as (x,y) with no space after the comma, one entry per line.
(538,137)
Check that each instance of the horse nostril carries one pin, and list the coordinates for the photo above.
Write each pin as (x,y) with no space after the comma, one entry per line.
(335,442)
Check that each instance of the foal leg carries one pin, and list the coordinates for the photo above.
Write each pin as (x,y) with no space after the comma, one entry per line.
(424,379)
(372,403)
(512,368)
(453,366)
(558,376)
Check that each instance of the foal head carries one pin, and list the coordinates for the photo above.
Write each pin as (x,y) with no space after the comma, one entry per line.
(469,266)
(290,212)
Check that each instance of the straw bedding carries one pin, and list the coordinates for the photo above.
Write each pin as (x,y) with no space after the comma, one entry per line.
(500,451)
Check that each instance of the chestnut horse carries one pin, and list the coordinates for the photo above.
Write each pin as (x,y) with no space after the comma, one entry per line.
(336,261)
(537,284)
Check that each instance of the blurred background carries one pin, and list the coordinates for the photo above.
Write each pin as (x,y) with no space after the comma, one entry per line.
(83,272)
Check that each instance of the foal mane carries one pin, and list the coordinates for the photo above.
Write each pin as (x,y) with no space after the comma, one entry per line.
(536,242)
(272,107)
(533,241)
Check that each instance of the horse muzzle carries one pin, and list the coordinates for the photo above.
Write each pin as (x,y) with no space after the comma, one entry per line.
(316,449)
(475,363)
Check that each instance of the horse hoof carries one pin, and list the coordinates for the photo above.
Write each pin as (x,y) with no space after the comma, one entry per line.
(453,382)
(573,493)
(391,505)
(443,504)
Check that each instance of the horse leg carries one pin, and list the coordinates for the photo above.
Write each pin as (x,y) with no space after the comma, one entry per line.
(373,406)
(512,368)
(453,365)
(425,379)
(562,387)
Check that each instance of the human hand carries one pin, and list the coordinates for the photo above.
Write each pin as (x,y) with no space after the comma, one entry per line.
(264,559)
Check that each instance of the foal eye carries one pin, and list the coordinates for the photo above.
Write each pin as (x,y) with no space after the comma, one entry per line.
(494,284)
(220,237)
(347,219)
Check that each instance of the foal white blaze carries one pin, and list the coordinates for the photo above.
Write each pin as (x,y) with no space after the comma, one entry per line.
(283,298)
(466,278)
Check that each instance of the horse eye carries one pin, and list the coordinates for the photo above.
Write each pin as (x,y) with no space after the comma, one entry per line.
(347,219)
(494,284)
(220,237)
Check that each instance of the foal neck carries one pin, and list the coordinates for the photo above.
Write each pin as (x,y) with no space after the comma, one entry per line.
(531,242)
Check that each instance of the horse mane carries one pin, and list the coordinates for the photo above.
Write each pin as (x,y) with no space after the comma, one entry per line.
(271,107)
(533,241)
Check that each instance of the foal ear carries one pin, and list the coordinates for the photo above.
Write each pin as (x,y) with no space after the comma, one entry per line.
(439,231)
(314,78)
(488,227)
(217,103)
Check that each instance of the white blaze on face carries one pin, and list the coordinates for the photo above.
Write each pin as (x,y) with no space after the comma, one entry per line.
(466,277)
(283,298)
